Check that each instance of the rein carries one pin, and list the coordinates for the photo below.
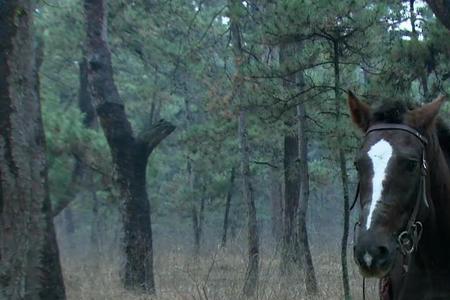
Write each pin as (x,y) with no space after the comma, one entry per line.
(408,239)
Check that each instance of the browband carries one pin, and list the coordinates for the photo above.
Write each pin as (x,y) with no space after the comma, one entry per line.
(402,127)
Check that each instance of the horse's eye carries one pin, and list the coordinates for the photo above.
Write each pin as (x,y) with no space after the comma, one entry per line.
(356,165)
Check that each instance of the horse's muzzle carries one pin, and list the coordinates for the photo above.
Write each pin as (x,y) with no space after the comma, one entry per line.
(374,255)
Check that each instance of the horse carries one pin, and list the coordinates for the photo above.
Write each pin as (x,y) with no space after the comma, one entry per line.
(402,235)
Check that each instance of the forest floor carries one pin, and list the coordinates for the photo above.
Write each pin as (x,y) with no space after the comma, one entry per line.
(218,275)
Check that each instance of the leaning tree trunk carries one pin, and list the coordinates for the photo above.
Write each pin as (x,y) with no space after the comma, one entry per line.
(441,9)
(130,153)
(29,258)
(252,273)
(343,168)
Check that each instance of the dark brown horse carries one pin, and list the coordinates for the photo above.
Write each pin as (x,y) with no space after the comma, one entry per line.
(403,233)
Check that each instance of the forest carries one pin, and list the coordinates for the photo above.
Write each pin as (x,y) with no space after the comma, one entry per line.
(196,149)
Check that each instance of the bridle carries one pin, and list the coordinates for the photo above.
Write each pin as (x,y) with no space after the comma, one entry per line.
(408,239)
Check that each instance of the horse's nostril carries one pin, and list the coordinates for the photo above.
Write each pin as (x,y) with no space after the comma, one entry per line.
(383,257)
(383,252)
(373,257)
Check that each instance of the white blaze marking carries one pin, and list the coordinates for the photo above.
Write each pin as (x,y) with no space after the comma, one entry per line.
(380,154)
(368,259)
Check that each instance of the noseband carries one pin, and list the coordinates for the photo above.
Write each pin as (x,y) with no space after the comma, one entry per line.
(409,238)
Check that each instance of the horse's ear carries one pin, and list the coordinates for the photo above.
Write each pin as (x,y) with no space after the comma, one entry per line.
(360,111)
(424,116)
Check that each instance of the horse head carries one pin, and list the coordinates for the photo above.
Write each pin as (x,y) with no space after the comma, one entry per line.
(393,166)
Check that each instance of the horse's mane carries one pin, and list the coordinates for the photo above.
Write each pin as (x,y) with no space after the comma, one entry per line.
(393,111)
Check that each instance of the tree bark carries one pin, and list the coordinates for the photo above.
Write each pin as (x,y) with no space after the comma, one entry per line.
(84,98)
(129,153)
(29,257)
(96,233)
(252,273)
(276,211)
(343,168)
(227,208)
(310,275)
(291,196)
(201,221)
(197,222)
(196,230)
(196,213)
(441,9)
(290,251)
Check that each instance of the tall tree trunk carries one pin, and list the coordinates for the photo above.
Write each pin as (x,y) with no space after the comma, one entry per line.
(227,208)
(310,275)
(201,219)
(197,221)
(51,276)
(290,251)
(441,9)
(129,153)
(291,196)
(196,213)
(84,98)
(29,257)
(252,275)
(96,233)
(196,230)
(250,285)
(342,166)
(276,205)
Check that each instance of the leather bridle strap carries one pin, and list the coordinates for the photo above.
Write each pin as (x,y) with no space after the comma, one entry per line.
(401,127)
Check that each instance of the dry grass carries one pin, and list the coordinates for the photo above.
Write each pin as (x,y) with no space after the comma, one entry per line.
(216,276)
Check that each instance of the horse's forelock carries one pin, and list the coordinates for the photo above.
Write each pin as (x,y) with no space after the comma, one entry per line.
(389,112)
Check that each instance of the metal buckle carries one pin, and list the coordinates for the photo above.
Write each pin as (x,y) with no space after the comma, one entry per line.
(408,240)
(424,164)
(406,243)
